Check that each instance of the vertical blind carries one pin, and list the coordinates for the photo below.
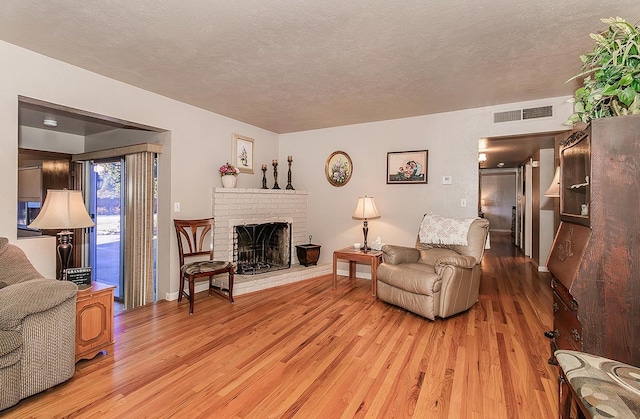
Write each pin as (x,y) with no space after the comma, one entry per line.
(139,219)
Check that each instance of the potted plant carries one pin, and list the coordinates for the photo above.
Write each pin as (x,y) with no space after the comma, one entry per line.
(228,174)
(612,83)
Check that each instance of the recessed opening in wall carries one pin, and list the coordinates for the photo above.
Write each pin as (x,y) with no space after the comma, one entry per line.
(259,248)
(59,155)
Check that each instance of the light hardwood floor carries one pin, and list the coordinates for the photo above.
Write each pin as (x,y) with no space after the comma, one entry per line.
(307,351)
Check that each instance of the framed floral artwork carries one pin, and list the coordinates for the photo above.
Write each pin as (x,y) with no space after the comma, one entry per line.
(338,168)
(407,166)
(243,153)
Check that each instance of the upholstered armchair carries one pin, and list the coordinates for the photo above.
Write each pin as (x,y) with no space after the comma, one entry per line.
(37,328)
(440,276)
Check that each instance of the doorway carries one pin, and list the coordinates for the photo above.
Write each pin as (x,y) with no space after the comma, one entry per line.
(106,243)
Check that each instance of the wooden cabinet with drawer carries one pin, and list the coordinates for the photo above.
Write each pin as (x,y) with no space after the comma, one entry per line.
(595,256)
(94,320)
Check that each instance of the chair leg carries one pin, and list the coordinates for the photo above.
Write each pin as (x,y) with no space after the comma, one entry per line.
(231,285)
(191,294)
(564,397)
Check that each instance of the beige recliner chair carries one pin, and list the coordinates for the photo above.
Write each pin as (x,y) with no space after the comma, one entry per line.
(434,279)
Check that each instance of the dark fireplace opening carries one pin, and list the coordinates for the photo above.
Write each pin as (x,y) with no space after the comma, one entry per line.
(259,248)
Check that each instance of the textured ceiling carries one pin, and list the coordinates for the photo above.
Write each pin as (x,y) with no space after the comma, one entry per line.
(296,65)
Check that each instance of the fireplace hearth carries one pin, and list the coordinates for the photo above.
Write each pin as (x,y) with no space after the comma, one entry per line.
(259,248)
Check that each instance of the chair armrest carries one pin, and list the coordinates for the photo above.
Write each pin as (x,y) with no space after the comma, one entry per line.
(19,300)
(396,255)
(467,262)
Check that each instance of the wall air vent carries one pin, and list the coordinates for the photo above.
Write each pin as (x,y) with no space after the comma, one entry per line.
(507,116)
(522,114)
(541,112)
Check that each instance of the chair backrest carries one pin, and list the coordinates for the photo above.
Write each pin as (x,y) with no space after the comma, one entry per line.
(195,238)
(476,240)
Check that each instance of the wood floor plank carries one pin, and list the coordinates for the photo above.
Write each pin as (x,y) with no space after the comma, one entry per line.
(305,350)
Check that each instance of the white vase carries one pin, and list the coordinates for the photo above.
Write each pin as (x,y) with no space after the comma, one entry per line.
(229,181)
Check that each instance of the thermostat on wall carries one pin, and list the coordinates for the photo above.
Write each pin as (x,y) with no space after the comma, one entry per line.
(446,180)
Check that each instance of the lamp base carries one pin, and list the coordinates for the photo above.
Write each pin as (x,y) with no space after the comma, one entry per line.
(64,249)
(365,232)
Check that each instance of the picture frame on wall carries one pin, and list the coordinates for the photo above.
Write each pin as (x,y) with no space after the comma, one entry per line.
(243,153)
(407,166)
(338,168)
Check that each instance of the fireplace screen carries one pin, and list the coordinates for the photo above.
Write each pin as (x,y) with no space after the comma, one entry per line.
(259,248)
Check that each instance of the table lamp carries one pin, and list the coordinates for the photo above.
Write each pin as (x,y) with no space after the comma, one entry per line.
(365,210)
(554,188)
(63,209)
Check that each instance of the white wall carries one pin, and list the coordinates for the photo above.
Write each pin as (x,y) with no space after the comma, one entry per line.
(47,140)
(547,232)
(200,142)
(452,141)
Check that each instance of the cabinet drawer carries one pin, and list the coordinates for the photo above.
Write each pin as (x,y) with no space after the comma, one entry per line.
(568,329)
(564,294)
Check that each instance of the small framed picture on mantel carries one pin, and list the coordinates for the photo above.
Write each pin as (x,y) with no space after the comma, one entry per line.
(243,153)
(407,166)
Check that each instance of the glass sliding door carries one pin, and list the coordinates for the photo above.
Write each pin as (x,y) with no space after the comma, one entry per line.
(107,237)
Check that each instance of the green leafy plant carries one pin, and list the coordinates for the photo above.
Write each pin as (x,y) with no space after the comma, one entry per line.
(611,85)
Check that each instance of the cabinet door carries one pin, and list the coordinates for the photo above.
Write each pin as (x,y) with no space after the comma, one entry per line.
(575,178)
(94,324)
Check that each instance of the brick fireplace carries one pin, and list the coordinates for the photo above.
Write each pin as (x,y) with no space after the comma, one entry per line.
(238,206)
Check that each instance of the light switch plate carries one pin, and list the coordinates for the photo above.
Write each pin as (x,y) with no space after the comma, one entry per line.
(176,207)
(446,180)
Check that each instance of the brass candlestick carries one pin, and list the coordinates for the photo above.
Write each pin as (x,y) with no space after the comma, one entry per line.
(289,186)
(264,176)
(275,174)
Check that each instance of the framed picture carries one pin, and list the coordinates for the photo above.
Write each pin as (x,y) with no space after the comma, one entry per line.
(243,153)
(338,168)
(407,166)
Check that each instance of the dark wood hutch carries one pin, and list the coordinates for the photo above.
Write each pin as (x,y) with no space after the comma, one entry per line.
(595,257)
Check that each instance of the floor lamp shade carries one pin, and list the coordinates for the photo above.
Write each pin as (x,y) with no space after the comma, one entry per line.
(365,210)
(63,209)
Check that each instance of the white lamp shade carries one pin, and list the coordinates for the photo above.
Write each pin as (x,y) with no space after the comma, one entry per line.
(366,209)
(62,209)
(554,188)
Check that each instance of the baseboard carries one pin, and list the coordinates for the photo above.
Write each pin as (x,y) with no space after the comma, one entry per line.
(245,284)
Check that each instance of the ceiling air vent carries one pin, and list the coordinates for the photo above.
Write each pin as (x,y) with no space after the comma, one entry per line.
(507,116)
(541,112)
(522,114)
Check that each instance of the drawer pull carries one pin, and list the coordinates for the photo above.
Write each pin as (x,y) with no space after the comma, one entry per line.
(553,283)
(576,335)
(556,308)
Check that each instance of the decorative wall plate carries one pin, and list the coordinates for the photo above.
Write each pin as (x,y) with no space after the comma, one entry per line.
(338,168)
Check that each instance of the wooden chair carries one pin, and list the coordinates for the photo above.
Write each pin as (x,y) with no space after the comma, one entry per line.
(191,235)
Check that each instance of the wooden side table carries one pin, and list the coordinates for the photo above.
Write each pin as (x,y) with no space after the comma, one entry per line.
(371,257)
(94,320)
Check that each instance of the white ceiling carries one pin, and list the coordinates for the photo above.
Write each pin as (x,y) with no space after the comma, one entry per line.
(296,65)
